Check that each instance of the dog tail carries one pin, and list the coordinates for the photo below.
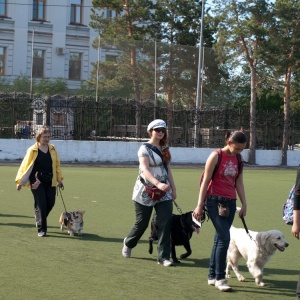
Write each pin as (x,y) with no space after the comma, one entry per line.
(150,245)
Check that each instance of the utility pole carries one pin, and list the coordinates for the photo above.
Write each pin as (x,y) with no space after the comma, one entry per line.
(200,77)
(32,52)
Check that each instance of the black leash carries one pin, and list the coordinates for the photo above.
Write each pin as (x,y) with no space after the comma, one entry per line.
(67,216)
(247,231)
(177,207)
(203,217)
(62,199)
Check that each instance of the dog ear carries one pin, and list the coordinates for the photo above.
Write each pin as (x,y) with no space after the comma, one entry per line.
(81,212)
(262,237)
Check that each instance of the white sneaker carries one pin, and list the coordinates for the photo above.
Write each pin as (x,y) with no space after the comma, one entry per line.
(126,251)
(211,281)
(222,285)
(41,234)
(165,263)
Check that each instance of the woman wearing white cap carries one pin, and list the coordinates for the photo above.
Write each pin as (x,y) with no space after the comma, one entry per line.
(154,171)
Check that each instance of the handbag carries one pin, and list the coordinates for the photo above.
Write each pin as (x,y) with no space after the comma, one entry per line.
(155,193)
(223,209)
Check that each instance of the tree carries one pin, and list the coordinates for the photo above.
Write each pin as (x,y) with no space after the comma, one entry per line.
(241,30)
(171,26)
(22,84)
(282,52)
(51,87)
(129,24)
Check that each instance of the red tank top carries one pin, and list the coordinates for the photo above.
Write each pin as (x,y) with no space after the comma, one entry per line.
(223,183)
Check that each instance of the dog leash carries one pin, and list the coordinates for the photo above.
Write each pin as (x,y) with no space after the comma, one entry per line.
(177,207)
(62,199)
(196,221)
(247,231)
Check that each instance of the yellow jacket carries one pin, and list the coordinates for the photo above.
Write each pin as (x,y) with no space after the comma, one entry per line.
(26,167)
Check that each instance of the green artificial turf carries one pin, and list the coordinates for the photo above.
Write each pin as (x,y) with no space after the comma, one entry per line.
(92,267)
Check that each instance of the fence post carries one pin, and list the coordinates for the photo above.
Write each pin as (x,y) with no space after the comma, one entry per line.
(48,109)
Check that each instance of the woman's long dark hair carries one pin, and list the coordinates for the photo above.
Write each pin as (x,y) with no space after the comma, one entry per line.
(235,137)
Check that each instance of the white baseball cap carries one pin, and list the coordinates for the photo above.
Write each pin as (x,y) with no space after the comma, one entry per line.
(158,123)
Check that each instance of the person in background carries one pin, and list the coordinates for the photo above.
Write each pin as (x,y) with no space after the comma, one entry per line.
(221,190)
(40,170)
(296,220)
(154,170)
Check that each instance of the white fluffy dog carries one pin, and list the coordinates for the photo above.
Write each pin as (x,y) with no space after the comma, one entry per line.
(256,252)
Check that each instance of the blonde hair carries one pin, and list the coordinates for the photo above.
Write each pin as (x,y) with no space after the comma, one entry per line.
(40,131)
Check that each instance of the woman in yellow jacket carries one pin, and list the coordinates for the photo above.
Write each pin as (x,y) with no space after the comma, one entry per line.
(40,170)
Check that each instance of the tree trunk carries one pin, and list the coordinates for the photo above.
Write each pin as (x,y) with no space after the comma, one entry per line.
(252,143)
(169,91)
(136,88)
(137,93)
(286,109)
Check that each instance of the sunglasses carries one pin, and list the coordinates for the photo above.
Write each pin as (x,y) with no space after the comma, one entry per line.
(163,130)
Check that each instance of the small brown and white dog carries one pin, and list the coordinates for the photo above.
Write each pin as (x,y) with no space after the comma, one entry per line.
(73,221)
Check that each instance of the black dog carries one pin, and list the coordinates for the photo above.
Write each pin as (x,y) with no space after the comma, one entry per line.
(182,229)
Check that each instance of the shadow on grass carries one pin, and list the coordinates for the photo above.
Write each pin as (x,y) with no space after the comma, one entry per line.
(272,287)
(22,225)
(285,289)
(267,271)
(196,263)
(84,237)
(14,216)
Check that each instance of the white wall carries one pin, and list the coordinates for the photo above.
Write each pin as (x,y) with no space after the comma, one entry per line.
(126,152)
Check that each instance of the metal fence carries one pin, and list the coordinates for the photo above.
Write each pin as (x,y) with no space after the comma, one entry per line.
(80,118)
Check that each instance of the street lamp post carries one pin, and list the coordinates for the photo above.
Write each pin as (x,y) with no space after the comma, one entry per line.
(200,77)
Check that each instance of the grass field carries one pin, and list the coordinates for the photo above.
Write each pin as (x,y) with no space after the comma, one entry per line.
(92,267)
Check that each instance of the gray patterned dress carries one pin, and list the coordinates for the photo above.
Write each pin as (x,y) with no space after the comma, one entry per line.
(158,170)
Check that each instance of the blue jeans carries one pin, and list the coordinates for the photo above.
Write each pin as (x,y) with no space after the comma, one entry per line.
(217,264)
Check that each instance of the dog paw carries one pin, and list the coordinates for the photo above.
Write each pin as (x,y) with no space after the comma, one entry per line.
(260,283)
(241,278)
(176,261)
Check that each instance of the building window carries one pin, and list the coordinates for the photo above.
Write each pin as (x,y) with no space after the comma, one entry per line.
(39,119)
(2,61)
(38,64)
(59,119)
(39,10)
(75,66)
(111,58)
(110,14)
(76,11)
(3,8)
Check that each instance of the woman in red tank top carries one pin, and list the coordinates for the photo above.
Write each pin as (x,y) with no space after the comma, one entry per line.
(221,191)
